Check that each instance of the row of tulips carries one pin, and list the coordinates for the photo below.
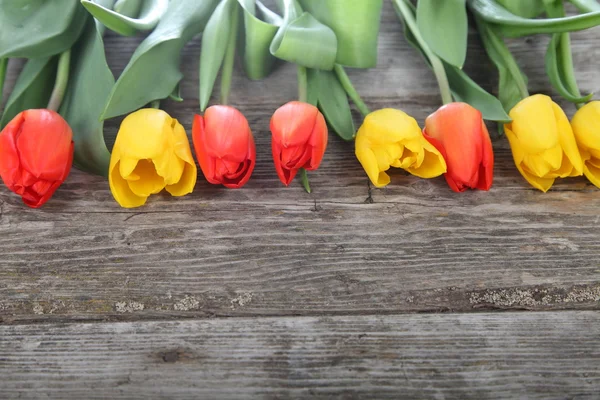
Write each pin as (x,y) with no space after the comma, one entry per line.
(454,142)
(37,151)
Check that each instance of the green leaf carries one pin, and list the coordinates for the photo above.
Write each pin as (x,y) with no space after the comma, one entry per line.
(176,94)
(150,13)
(37,29)
(214,46)
(129,8)
(512,83)
(444,25)
(153,71)
(258,35)
(511,25)
(3,68)
(586,5)
(303,40)
(32,89)
(332,101)
(555,71)
(90,83)
(466,90)
(559,61)
(356,28)
(523,8)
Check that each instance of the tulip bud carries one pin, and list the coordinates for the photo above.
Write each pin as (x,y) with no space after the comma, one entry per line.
(151,153)
(542,142)
(224,146)
(392,138)
(299,139)
(586,127)
(457,130)
(36,153)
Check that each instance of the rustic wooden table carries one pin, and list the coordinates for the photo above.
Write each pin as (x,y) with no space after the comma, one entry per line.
(349,292)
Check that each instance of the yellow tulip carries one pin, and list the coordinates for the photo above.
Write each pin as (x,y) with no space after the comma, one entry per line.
(542,142)
(391,138)
(151,153)
(586,127)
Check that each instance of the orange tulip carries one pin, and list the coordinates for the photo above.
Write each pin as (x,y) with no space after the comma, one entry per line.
(457,130)
(36,154)
(299,139)
(224,146)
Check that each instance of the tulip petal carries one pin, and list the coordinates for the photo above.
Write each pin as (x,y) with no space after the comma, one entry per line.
(10,166)
(592,172)
(149,182)
(543,184)
(370,164)
(433,163)
(186,183)
(567,140)
(486,171)
(120,190)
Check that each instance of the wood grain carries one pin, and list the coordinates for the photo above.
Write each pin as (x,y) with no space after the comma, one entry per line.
(345,249)
(449,356)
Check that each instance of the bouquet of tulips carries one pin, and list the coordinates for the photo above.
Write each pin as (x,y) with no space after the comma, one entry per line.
(54,116)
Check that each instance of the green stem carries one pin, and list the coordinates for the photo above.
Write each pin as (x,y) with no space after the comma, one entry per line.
(436,62)
(302,84)
(305,183)
(351,90)
(227,71)
(557,10)
(154,104)
(490,38)
(586,6)
(3,68)
(62,78)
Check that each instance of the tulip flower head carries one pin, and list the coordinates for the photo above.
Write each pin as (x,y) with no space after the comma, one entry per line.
(224,146)
(392,138)
(542,142)
(457,130)
(151,153)
(36,154)
(586,127)
(299,139)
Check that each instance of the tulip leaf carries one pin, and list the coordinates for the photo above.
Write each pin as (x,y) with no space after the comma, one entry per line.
(511,25)
(512,82)
(466,90)
(258,35)
(153,71)
(3,68)
(586,5)
(176,94)
(444,25)
(129,8)
(559,61)
(332,100)
(89,86)
(149,14)
(356,28)
(37,29)
(32,89)
(214,46)
(525,9)
(303,40)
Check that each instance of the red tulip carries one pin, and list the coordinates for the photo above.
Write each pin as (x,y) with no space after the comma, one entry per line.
(299,139)
(457,130)
(224,146)
(36,153)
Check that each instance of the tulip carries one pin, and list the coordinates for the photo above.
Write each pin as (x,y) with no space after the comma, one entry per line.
(586,127)
(299,139)
(151,153)
(457,130)
(391,138)
(224,146)
(36,154)
(542,142)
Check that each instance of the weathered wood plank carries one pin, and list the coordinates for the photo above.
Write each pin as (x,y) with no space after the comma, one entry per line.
(347,248)
(470,356)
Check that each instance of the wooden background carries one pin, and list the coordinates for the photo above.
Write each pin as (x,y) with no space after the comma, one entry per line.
(349,292)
